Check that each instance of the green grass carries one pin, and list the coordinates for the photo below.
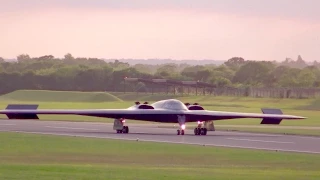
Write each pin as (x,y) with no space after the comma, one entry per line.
(30,156)
(58,96)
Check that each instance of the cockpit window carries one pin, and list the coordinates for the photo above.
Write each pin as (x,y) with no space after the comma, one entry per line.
(170,104)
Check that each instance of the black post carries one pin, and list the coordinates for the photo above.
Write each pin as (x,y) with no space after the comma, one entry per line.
(124,84)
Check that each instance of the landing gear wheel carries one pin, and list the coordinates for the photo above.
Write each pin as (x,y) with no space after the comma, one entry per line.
(197,131)
(125,129)
(200,131)
(119,131)
(182,132)
(203,131)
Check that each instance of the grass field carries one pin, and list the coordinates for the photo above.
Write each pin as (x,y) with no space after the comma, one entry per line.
(30,156)
(309,108)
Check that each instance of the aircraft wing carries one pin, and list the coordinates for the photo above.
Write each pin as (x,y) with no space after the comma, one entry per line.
(136,114)
(269,116)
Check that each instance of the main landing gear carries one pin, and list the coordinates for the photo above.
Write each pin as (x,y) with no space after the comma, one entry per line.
(118,125)
(124,130)
(200,130)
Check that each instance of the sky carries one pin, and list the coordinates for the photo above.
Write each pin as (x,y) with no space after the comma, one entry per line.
(171,29)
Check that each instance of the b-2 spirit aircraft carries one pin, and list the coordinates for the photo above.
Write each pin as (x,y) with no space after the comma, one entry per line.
(164,111)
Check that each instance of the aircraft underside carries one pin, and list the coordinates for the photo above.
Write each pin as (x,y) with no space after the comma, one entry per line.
(201,129)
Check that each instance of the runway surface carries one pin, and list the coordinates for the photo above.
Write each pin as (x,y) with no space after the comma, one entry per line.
(142,132)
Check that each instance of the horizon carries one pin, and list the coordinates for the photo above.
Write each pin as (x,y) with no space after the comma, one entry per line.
(177,30)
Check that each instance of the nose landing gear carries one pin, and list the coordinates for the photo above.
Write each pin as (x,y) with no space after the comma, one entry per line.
(182,121)
(180,132)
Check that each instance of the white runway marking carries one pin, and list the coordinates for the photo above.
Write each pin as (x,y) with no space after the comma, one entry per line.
(7,124)
(237,139)
(308,137)
(59,127)
(134,139)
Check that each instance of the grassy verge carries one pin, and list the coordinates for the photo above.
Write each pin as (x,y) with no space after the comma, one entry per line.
(30,156)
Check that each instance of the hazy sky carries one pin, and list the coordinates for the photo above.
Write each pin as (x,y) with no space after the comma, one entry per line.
(176,29)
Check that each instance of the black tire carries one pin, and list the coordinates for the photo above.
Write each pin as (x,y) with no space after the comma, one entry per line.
(197,131)
(178,132)
(125,129)
(182,132)
(205,131)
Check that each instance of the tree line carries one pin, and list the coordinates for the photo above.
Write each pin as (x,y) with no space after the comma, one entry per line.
(93,74)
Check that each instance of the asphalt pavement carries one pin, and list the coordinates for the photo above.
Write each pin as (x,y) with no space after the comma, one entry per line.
(147,132)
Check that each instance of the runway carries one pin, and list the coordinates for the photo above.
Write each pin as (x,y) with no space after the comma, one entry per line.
(288,143)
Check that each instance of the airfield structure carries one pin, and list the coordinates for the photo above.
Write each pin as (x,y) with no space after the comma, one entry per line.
(172,86)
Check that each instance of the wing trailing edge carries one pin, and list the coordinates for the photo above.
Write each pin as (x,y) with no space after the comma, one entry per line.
(271,120)
(22,115)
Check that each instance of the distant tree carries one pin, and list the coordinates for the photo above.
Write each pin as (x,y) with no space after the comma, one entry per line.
(222,82)
(169,68)
(1,60)
(289,78)
(203,75)
(46,57)
(23,57)
(94,74)
(223,71)
(145,68)
(192,71)
(253,73)
(299,59)
(68,56)
(235,63)
(300,63)
(306,78)
(167,71)
(119,65)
